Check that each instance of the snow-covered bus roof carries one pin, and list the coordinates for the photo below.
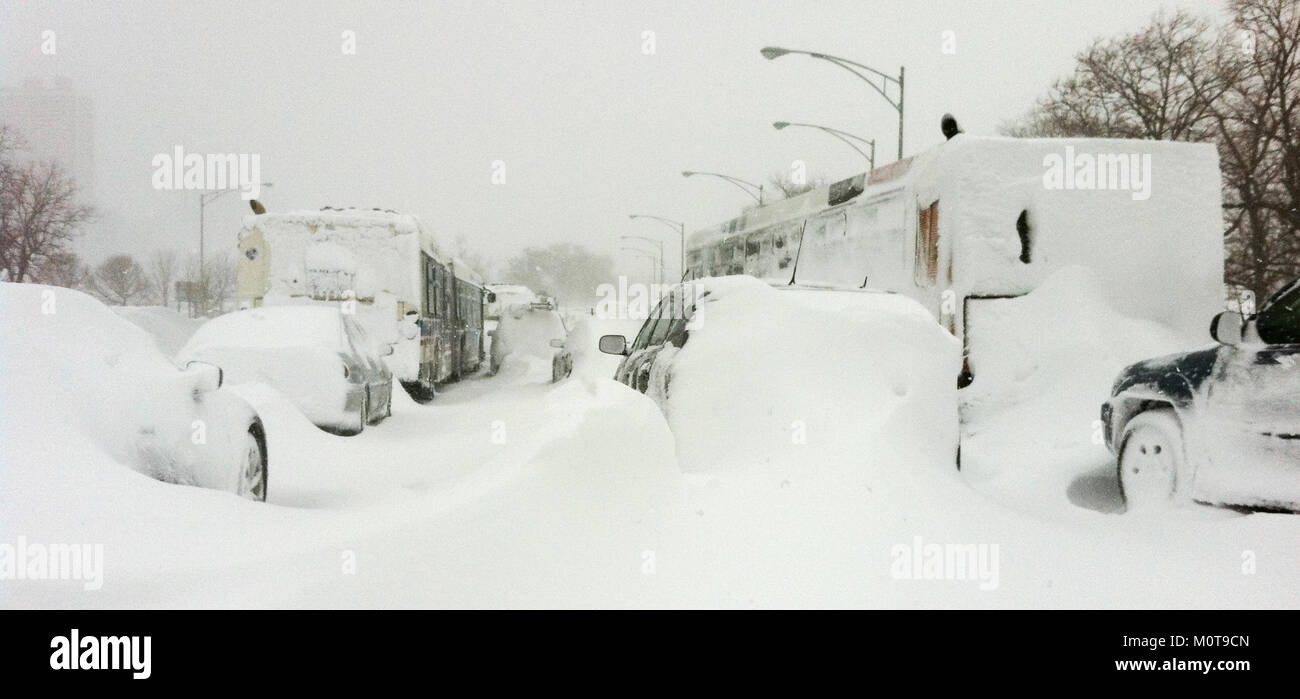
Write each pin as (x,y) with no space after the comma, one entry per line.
(990,161)
(347,218)
(465,273)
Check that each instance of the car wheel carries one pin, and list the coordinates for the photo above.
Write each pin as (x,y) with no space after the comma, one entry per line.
(1151,459)
(419,392)
(252,472)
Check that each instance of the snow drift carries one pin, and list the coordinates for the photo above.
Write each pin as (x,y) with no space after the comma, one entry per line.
(811,378)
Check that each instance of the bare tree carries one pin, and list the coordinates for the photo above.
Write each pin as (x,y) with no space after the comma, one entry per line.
(63,269)
(39,215)
(219,280)
(213,285)
(120,280)
(1258,127)
(164,270)
(1237,86)
(782,183)
(1160,82)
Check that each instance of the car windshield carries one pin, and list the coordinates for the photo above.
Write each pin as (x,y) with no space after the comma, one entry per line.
(1279,322)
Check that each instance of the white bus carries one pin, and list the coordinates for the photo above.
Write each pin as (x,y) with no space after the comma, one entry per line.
(978,219)
(384,266)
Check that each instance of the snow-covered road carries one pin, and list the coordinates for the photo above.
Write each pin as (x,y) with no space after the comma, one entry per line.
(511,491)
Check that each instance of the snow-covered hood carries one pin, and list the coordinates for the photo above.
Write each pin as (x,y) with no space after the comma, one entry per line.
(1176,376)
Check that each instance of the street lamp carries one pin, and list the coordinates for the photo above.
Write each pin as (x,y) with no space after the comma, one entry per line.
(743,185)
(652,241)
(678,226)
(842,135)
(204,199)
(773,52)
(642,253)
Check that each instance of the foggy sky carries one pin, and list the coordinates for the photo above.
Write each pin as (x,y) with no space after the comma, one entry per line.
(590,128)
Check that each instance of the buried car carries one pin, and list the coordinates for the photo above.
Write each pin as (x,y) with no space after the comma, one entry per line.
(1218,425)
(751,374)
(319,357)
(77,367)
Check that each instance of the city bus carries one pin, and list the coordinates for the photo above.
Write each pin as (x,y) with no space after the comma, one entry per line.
(385,267)
(978,220)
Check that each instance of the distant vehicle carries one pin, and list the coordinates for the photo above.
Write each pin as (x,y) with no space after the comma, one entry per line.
(508,298)
(562,361)
(100,373)
(1219,425)
(527,331)
(385,266)
(320,358)
(974,221)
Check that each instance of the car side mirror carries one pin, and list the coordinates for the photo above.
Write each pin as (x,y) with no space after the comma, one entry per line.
(613,344)
(1227,327)
(209,376)
(557,343)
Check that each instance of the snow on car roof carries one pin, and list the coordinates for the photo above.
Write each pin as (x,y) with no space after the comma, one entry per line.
(273,326)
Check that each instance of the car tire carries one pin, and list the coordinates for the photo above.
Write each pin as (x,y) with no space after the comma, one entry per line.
(253,470)
(418,392)
(1151,459)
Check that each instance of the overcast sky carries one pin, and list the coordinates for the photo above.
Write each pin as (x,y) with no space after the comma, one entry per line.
(589,126)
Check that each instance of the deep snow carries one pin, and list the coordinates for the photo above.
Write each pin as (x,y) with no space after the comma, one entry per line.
(511,491)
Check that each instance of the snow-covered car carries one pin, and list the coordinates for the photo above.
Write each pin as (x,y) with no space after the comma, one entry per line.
(528,332)
(75,366)
(562,361)
(1217,425)
(744,372)
(319,357)
(646,360)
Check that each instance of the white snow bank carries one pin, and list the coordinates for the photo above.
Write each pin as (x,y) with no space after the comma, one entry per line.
(73,371)
(527,334)
(811,378)
(170,329)
(584,344)
(1046,364)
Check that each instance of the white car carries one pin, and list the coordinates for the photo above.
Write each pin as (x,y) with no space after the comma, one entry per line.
(76,367)
(320,358)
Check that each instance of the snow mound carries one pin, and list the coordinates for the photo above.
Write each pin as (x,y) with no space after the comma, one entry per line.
(584,343)
(1047,362)
(811,378)
(528,334)
(170,330)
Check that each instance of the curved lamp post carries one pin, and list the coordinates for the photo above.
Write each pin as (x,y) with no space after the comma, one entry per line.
(842,135)
(774,52)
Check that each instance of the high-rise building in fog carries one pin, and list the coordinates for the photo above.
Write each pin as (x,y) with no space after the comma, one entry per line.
(55,123)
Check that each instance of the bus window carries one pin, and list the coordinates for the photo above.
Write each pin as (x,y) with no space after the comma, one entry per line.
(431,283)
(927,245)
(1026,237)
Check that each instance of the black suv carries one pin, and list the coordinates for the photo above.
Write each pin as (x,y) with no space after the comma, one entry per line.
(1219,425)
